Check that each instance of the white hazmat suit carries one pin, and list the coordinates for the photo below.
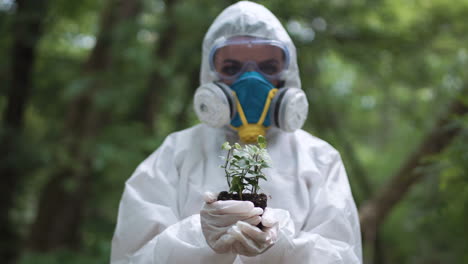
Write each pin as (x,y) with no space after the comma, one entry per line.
(159,214)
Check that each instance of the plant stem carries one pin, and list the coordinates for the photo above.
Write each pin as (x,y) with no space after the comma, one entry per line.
(256,173)
(228,176)
(245,172)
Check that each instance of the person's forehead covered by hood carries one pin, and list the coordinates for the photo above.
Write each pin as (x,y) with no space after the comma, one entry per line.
(248,19)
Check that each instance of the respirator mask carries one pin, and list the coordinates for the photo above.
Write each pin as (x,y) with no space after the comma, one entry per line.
(245,97)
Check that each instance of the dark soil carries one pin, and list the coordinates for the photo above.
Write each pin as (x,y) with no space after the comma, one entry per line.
(258,199)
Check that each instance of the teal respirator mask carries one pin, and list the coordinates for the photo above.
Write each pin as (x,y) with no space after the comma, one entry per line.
(245,97)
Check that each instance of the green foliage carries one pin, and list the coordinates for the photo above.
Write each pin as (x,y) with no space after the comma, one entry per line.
(100,254)
(243,165)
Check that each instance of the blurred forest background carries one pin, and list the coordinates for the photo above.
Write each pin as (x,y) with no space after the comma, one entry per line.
(89,88)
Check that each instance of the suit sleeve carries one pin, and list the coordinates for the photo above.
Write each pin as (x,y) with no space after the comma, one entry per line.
(331,234)
(149,228)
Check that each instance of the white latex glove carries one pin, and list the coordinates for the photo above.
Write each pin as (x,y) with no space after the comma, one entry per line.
(250,240)
(217,217)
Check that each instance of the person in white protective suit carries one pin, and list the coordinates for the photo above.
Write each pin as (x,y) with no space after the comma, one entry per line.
(249,86)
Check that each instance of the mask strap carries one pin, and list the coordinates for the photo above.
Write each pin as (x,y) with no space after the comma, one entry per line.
(270,96)
(241,111)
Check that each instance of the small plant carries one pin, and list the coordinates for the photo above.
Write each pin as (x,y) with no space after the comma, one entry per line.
(243,166)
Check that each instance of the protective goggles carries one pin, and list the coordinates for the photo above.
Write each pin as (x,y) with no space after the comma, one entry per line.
(231,58)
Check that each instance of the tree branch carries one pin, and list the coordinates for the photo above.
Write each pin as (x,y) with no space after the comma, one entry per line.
(374,212)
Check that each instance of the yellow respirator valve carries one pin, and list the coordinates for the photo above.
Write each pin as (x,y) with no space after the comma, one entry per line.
(248,134)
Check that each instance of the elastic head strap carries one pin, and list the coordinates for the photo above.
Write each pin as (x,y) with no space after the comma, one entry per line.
(271,94)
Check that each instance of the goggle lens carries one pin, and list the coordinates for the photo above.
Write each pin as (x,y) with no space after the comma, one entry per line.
(233,58)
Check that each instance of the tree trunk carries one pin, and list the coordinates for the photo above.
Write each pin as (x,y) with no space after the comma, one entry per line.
(158,82)
(27,31)
(182,118)
(63,201)
(374,212)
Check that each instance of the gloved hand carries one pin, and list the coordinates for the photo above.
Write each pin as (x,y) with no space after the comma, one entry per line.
(217,217)
(250,240)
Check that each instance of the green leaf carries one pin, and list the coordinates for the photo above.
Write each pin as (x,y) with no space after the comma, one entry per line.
(261,141)
(252,181)
(237,184)
(243,164)
(237,146)
(262,177)
(255,149)
(264,165)
(226,146)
